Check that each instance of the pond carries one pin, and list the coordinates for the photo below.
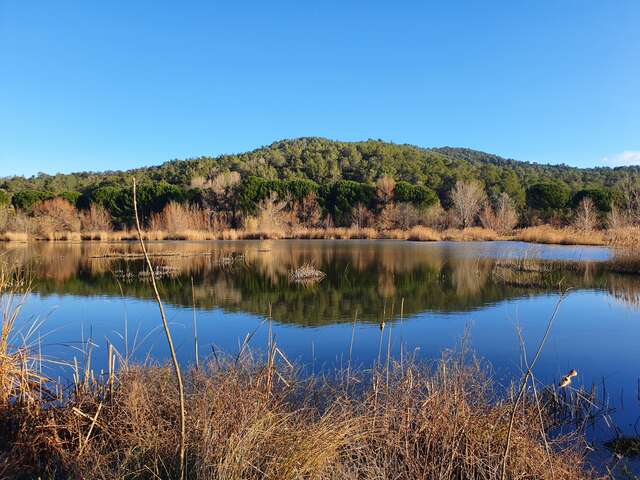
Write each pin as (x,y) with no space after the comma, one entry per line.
(427,295)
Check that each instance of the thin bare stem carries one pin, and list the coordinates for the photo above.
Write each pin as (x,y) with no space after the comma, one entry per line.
(165,325)
(195,326)
(523,385)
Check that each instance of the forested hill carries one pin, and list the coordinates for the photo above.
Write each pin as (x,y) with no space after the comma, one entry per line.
(325,161)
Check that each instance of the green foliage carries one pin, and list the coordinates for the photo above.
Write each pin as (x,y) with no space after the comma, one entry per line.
(419,195)
(547,196)
(71,197)
(5,199)
(343,195)
(602,199)
(152,197)
(294,168)
(26,199)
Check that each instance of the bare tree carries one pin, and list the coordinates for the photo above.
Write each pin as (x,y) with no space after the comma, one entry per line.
(96,218)
(399,216)
(271,216)
(467,199)
(308,211)
(630,190)
(385,189)
(586,215)
(617,218)
(361,216)
(503,219)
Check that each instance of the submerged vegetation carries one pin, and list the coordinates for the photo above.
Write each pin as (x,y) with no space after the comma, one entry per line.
(317,188)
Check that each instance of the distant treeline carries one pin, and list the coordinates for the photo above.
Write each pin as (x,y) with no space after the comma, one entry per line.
(338,176)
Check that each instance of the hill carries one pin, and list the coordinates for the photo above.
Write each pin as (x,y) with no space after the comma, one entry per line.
(340,174)
(323,160)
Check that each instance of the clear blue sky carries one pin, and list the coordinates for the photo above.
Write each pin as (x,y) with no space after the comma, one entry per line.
(118,84)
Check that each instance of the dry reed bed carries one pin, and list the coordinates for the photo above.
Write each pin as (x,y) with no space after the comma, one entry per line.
(417,233)
(254,421)
(540,234)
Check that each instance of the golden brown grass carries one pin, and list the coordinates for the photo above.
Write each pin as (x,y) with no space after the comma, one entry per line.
(256,421)
(14,237)
(541,234)
(560,236)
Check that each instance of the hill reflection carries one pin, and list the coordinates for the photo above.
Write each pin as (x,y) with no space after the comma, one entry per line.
(371,278)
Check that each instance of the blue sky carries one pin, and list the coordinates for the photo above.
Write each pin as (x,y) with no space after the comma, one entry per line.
(118,84)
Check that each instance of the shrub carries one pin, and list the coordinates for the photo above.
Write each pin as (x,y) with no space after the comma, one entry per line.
(56,215)
(5,199)
(503,219)
(96,219)
(26,199)
(71,197)
(361,216)
(176,217)
(400,216)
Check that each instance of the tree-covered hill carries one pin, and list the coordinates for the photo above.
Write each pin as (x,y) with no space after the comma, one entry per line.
(342,174)
(323,160)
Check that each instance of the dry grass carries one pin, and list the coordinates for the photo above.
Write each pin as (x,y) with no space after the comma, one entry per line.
(470,234)
(14,237)
(561,236)
(423,234)
(305,273)
(256,421)
(619,237)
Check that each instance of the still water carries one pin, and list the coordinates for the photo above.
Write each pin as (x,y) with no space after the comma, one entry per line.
(427,295)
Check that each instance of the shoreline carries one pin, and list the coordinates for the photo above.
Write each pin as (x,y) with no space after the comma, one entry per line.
(544,234)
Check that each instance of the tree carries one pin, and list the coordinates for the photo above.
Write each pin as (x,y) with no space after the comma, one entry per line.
(602,199)
(418,195)
(467,198)
(503,219)
(385,189)
(586,215)
(547,196)
(343,195)
(26,199)
(56,215)
(5,199)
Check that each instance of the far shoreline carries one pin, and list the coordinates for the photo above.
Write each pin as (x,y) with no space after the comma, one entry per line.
(543,234)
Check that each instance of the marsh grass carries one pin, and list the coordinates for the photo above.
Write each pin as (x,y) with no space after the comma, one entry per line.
(306,273)
(251,419)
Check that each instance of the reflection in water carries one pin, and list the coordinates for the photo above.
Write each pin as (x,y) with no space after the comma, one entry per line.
(367,277)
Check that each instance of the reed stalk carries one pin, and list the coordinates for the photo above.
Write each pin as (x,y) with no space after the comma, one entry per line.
(167,331)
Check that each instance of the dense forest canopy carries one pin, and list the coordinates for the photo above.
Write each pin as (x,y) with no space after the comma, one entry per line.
(339,173)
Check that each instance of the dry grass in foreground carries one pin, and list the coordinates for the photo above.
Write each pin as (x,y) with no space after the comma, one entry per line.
(255,421)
